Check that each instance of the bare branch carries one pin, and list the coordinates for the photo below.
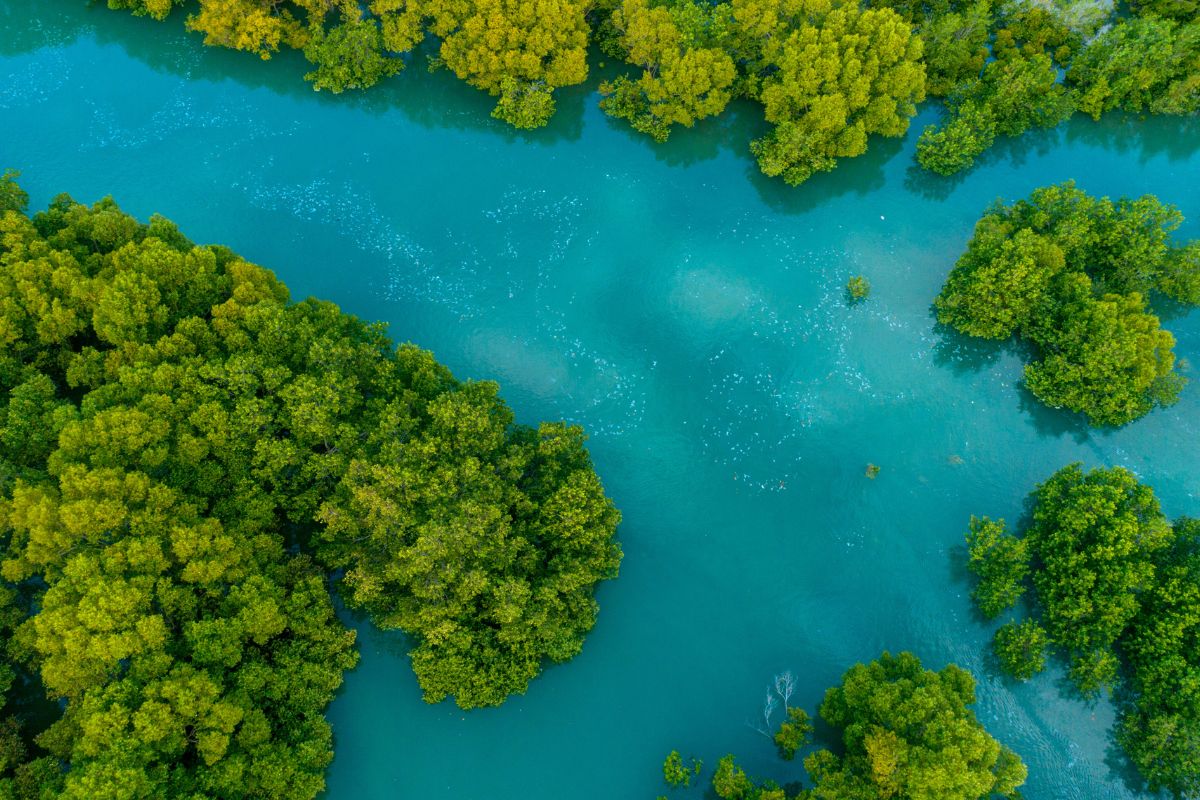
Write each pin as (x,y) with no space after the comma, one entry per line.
(785,686)
(769,706)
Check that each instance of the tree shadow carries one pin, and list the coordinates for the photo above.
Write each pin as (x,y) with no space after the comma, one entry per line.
(1067,688)
(1012,150)
(1053,422)
(442,101)
(432,100)
(1175,137)
(1115,758)
(26,27)
(1146,137)
(1121,768)
(957,573)
(968,354)
(930,185)
(731,131)
(860,176)
(1015,151)
(394,642)
(1167,309)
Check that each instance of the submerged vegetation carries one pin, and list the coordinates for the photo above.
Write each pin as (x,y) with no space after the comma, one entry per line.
(186,456)
(1116,592)
(827,73)
(1072,275)
(905,731)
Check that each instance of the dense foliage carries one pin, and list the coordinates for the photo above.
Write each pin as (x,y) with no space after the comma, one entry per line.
(483,539)
(176,438)
(1001,564)
(1116,591)
(519,52)
(1071,274)
(793,733)
(678,773)
(1140,64)
(24,768)
(1144,65)
(905,731)
(686,74)
(828,73)
(1016,91)
(1013,94)
(858,288)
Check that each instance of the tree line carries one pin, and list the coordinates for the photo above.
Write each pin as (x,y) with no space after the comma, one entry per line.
(189,461)
(828,74)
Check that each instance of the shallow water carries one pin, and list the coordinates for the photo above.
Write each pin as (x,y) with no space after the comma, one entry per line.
(691,314)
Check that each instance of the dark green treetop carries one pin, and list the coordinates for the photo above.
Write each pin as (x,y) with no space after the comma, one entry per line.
(1116,591)
(1071,274)
(177,439)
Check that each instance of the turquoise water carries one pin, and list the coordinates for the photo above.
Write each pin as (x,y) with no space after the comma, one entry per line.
(691,315)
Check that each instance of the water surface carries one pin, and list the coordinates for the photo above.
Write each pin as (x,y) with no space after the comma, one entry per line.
(691,314)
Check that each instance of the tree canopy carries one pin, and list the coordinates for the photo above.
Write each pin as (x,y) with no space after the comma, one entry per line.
(1071,274)
(904,731)
(482,539)
(1017,91)
(1115,591)
(1146,64)
(829,74)
(517,50)
(908,732)
(686,73)
(828,77)
(185,455)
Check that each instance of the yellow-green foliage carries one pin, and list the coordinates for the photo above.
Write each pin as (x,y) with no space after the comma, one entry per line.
(483,540)
(794,733)
(1017,91)
(908,732)
(168,422)
(519,50)
(681,81)
(678,774)
(1000,561)
(158,9)
(858,288)
(830,75)
(191,651)
(1021,648)
(349,56)
(248,25)
(955,33)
